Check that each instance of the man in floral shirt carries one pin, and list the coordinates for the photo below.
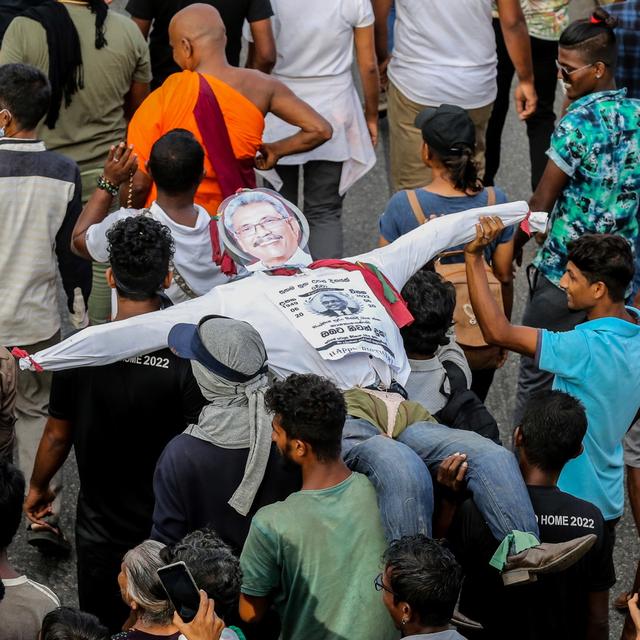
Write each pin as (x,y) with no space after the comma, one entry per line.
(598,147)
(591,183)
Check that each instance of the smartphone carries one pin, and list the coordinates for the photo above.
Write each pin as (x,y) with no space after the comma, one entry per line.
(181,589)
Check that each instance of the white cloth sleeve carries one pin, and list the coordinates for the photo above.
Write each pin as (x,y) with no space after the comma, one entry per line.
(403,257)
(357,13)
(96,235)
(146,333)
(115,341)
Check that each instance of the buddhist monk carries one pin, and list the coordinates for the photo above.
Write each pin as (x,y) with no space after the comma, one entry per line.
(224,107)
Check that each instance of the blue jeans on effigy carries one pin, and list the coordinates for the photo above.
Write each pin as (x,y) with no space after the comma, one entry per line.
(401,470)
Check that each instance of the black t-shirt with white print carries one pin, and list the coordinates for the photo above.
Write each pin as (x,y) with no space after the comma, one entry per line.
(555,606)
(123,414)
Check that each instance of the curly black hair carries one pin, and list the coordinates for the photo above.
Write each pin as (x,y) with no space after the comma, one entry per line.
(604,257)
(431,301)
(312,409)
(213,566)
(426,576)
(65,623)
(140,249)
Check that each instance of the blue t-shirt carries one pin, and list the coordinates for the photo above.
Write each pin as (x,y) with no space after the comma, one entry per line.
(599,364)
(398,218)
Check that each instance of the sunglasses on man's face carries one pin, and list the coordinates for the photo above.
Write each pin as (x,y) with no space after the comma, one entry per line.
(566,73)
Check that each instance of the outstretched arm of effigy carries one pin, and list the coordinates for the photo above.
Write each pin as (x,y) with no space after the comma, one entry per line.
(403,257)
(115,341)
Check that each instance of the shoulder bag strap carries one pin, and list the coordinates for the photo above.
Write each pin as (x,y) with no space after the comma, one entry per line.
(415,206)
(181,282)
(455,374)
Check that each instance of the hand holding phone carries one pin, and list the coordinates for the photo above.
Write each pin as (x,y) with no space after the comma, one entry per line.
(205,626)
(181,589)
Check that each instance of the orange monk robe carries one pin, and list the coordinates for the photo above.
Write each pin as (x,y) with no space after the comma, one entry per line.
(171,106)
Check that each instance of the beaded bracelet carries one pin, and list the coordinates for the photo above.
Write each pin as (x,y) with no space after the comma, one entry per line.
(107,186)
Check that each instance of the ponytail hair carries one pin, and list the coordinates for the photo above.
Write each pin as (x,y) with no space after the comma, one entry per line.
(461,169)
(594,37)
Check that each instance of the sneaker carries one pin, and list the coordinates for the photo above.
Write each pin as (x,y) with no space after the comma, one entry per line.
(462,622)
(545,558)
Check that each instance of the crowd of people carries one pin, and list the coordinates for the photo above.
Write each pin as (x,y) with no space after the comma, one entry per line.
(304,435)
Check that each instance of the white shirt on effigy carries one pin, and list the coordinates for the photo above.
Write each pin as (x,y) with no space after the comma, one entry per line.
(314,41)
(193,255)
(248,299)
(444,52)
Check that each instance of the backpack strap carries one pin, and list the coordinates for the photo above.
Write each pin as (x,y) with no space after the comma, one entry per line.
(457,379)
(491,196)
(457,395)
(415,206)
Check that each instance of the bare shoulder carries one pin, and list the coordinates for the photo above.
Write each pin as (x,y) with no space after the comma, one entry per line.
(253,85)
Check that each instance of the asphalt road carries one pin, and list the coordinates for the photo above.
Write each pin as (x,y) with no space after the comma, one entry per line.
(363,205)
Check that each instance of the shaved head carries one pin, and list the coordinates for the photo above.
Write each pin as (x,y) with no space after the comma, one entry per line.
(200,25)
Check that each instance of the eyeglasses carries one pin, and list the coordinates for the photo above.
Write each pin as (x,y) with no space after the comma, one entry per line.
(267,223)
(380,586)
(566,74)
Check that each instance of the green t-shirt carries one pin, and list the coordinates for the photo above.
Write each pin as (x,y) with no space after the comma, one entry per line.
(95,118)
(317,554)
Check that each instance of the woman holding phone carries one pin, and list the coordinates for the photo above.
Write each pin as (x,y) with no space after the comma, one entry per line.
(142,591)
(147,591)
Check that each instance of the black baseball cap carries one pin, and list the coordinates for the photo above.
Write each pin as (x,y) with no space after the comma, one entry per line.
(446,128)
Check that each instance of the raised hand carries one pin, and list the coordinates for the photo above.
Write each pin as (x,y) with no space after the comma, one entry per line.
(487,230)
(121,163)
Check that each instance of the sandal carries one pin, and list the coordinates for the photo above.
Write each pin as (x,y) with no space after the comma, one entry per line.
(50,540)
